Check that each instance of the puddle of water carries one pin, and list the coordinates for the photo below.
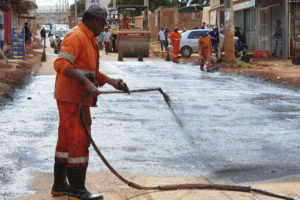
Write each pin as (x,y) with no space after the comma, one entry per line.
(235,129)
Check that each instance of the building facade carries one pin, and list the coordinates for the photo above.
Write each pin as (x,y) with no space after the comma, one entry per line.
(170,17)
(257,20)
(14,14)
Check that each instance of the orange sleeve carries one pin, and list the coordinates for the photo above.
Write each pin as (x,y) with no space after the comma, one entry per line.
(101,78)
(70,49)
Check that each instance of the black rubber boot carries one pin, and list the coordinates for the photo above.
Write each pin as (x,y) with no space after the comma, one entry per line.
(60,187)
(77,190)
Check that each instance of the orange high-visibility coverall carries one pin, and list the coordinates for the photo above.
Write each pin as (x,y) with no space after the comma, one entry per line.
(125,23)
(204,44)
(175,38)
(79,49)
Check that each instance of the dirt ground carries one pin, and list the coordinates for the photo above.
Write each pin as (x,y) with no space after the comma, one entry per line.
(113,189)
(13,73)
(277,71)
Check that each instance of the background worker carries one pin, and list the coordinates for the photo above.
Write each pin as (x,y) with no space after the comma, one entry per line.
(43,36)
(125,23)
(204,44)
(114,33)
(175,38)
(203,25)
(162,39)
(278,36)
(214,37)
(27,34)
(167,32)
(100,41)
(241,45)
(106,40)
(77,67)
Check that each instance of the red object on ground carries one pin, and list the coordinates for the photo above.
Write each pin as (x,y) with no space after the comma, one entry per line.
(262,54)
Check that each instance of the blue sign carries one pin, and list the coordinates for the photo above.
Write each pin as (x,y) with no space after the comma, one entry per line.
(18,43)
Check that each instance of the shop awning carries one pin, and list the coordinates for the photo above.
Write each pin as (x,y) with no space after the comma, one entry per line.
(237,5)
(22,6)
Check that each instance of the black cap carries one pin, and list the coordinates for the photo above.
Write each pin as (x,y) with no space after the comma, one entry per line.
(98,10)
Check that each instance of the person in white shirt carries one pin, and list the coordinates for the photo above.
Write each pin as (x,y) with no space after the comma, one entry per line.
(106,39)
(1,36)
(162,38)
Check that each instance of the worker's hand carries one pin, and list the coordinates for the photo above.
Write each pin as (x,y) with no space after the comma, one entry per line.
(114,82)
(118,84)
(123,86)
(91,88)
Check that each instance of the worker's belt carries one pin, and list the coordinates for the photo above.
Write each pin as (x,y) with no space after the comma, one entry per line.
(88,74)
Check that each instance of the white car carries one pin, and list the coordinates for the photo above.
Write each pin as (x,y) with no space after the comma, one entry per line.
(189,42)
(57,38)
(46,27)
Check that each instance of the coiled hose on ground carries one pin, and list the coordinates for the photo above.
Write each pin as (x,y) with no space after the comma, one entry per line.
(192,186)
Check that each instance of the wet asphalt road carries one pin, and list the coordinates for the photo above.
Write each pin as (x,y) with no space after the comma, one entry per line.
(236,130)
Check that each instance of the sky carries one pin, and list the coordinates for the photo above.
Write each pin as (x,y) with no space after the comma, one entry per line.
(50,2)
(53,2)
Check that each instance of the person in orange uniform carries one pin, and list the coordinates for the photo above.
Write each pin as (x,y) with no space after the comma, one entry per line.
(175,38)
(125,23)
(77,67)
(204,44)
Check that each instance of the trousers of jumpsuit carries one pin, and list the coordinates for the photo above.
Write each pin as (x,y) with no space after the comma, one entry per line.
(204,44)
(175,45)
(72,144)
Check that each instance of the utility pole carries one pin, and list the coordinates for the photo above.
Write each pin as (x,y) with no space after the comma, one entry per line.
(146,3)
(114,3)
(229,31)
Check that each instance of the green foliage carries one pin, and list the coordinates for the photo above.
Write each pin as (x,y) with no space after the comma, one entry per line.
(154,4)
(240,63)
(80,7)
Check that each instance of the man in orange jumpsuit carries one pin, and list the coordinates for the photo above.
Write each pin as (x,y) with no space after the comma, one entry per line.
(77,68)
(204,44)
(175,38)
(125,23)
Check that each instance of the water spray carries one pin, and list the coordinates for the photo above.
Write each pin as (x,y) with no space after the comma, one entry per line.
(189,186)
(166,98)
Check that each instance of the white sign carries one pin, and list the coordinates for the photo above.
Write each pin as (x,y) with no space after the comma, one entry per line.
(226,16)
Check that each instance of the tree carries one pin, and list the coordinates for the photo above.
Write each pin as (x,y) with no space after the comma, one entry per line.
(80,7)
(154,4)
(199,2)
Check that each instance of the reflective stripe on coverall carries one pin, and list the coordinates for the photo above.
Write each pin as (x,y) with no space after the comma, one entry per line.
(175,38)
(79,49)
(204,44)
